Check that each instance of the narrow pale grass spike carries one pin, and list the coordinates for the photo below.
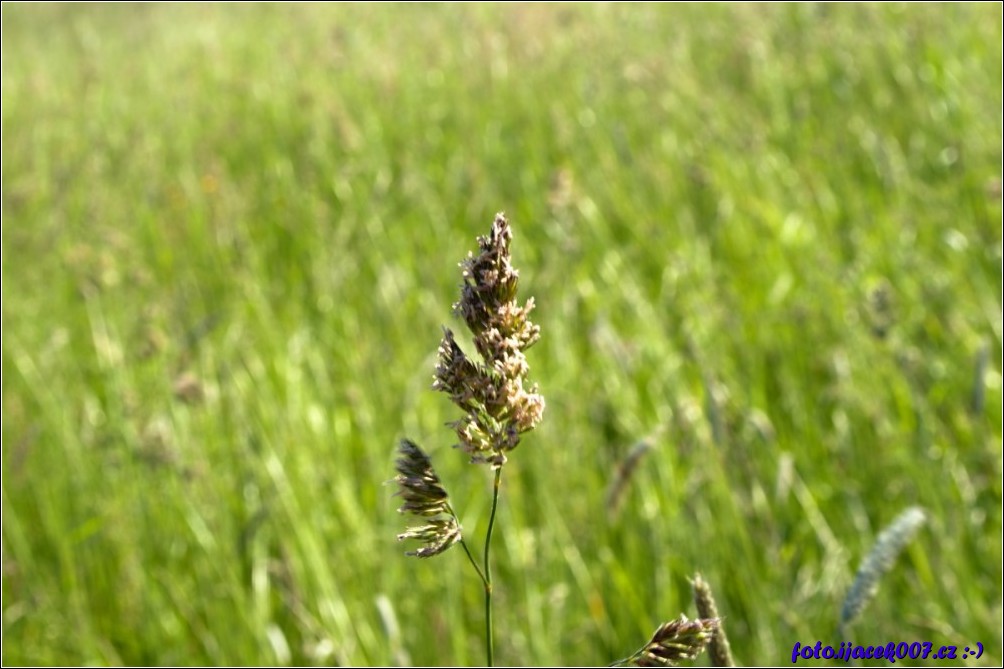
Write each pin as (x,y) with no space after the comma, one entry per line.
(719,650)
(879,560)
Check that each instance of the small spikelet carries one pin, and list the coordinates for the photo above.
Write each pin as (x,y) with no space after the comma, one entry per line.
(676,640)
(679,639)
(438,535)
(879,561)
(424,496)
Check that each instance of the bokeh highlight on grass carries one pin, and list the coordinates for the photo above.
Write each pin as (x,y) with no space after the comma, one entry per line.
(767,239)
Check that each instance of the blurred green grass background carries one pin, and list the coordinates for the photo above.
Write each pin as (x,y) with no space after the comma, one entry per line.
(767,239)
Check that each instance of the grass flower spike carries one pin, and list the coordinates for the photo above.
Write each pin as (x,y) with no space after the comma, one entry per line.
(424,496)
(879,560)
(679,639)
(719,649)
(498,406)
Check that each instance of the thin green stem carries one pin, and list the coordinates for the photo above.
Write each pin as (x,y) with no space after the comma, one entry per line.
(630,659)
(470,557)
(488,571)
(467,550)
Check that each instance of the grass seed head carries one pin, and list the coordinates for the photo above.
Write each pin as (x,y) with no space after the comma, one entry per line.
(424,496)
(494,394)
(879,560)
(719,649)
(680,639)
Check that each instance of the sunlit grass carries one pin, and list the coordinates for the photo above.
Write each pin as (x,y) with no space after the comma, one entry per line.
(767,239)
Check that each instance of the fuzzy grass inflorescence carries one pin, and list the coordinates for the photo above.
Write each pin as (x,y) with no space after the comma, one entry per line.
(719,648)
(680,639)
(424,496)
(879,560)
(498,410)
(498,407)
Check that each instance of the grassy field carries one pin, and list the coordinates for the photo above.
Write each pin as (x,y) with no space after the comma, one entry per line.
(765,239)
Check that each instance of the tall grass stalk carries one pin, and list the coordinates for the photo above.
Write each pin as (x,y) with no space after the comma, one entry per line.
(498,410)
